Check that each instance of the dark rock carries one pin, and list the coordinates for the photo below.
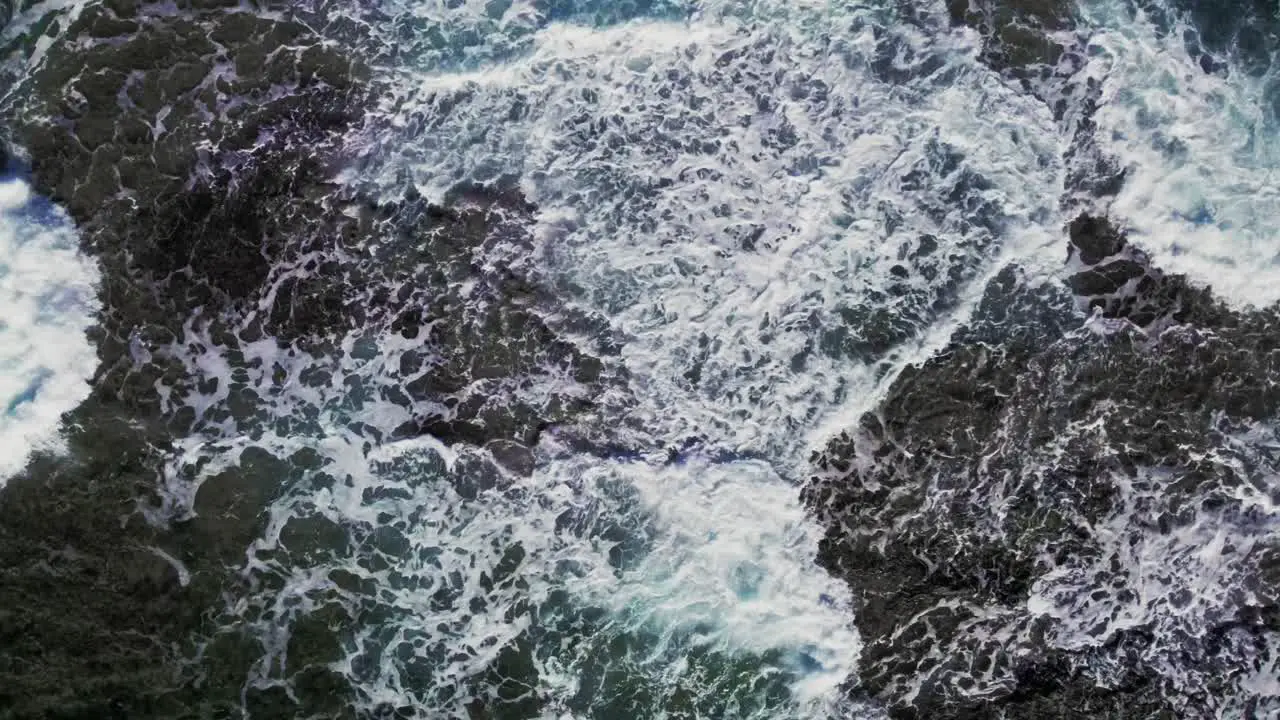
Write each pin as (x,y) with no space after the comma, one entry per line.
(1016,33)
(89,609)
(313,639)
(986,470)
(512,455)
(1106,279)
(1155,301)
(216,227)
(1094,239)
(311,539)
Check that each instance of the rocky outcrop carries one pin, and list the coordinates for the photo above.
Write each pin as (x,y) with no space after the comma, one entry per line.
(196,145)
(1118,281)
(989,514)
(1018,34)
(1039,45)
(1062,514)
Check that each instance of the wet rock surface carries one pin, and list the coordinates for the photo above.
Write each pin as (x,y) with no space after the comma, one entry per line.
(1040,45)
(1017,34)
(1061,514)
(244,289)
(994,514)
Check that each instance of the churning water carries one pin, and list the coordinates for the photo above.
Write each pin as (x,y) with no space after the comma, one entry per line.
(721,183)
(47,291)
(773,206)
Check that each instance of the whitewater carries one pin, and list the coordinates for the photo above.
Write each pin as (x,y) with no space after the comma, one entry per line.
(759,214)
(723,189)
(47,289)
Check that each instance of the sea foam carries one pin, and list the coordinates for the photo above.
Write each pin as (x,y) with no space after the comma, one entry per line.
(47,295)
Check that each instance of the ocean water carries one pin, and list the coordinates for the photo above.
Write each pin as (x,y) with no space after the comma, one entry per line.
(773,208)
(1191,109)
(742,219)
(47,290)
(777,206)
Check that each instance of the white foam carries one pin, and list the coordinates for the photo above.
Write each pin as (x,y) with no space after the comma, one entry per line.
(1202,152)
(26,19)
(654,152)
(733,555)
(650,157)
(46,304)
(1174,582)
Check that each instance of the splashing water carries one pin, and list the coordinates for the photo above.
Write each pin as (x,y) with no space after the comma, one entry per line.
(760,230)
(771,206)
(1176,582)
(1196,130)
(47,292)
(754,215)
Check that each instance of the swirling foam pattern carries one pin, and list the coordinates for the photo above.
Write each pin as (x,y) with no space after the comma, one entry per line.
(1190,109)
(768,209)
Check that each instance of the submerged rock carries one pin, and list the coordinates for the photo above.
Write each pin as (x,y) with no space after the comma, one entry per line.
(1119,281)
(1017,34)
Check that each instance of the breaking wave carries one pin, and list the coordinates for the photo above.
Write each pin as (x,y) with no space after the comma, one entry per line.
(47,292)
(1190,109)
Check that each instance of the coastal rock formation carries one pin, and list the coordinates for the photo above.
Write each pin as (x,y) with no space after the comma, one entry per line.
(248,296)
(323,399)
(997,513)
(1063,513)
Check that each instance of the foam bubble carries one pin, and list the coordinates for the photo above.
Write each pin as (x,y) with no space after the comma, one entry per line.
(47,290)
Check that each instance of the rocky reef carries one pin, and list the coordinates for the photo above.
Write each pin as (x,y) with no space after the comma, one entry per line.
(1062,513)
(997,514)
(196,146)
